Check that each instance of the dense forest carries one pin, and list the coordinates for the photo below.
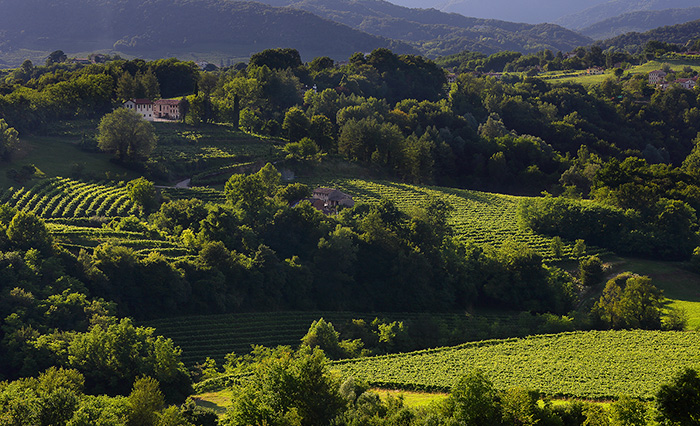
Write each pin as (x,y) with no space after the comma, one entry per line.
(618,162)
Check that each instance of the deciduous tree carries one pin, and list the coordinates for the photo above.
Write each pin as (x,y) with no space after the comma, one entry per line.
(127,134)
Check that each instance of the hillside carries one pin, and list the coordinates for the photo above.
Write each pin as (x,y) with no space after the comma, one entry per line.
(530,11)
(639,22)
(613,8)
(596,364)
(160,28)
(439,33)
(634,42)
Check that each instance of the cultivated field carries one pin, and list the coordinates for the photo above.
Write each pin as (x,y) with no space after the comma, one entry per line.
(596,364)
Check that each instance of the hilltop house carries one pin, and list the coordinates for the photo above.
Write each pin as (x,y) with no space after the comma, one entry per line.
(166,109)
(142,106)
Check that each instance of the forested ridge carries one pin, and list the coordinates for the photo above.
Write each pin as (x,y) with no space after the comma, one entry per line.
(618,163)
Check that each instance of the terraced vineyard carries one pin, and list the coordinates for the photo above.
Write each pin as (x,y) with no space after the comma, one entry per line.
(596,364)
(69,206)
(480,217)
(215,336)
(68,198)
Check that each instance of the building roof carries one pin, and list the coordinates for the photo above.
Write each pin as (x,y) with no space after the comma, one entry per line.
(167,102)
(140,101)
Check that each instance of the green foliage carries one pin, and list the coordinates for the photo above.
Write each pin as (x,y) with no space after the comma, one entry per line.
(630,302)
(590,270)
(473,400)
(628,411)
(287,388)
(27,231)
(127,134)
(144,401)
(322,335)
(677,400)
(142,192)
(9,139)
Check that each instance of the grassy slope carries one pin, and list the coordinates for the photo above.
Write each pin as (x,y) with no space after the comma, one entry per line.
(581,77)
(582,364)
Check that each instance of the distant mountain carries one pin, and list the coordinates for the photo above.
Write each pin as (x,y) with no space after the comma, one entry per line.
(530,11)
(634,42)
(438,33)
(613,8)
(163,28)
(640,22)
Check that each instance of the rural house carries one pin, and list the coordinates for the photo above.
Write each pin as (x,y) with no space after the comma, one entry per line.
(656,77)
(168,109)
(142,106)
(327,200)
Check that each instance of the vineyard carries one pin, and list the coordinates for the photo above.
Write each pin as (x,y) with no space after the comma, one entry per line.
(68,198)
(480,217)
(75,211)
(215,336)
(596,364)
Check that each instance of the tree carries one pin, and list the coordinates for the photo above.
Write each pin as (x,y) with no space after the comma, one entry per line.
(630,301)
(28,231)
(322,335)
(9,139)
(287,388)
(56,57)
(144,401)
(127,134)
(292,193)
(590,270)
(473,400)
(679,401)
(628,411)
(142,192)
(296,124)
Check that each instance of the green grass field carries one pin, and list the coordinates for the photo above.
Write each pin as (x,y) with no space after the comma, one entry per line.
(589,365)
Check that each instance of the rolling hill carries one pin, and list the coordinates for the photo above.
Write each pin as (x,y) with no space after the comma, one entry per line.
(634,42)
(530,11)
(600,12)
(162,28)
(438,33)
(640,22)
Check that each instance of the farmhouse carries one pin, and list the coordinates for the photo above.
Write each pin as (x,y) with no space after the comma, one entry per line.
(142,106)
(687,83)
(595,71)
(656,77)
(168,109)
(327,200)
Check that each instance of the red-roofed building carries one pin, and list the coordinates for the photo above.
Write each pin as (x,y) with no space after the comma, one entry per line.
(168,109)
(142,106)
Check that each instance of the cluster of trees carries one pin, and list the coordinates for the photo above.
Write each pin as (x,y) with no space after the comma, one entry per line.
(256,253)
(58,396)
